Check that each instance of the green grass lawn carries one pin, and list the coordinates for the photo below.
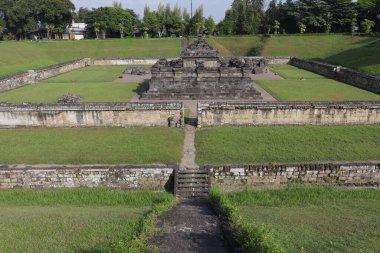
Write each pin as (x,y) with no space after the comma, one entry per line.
(92,84)
(356,52)
(315,219)
(314,88)
(91,146)
(350,51)
(245,145)
(22,56)
(81,220)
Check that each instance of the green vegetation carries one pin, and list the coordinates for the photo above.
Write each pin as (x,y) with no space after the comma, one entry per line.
(80,220)
(91,146)
(22,56)
(249,237)
(92,84)
(349,51)
(314,219)
(301,85)
(233,145)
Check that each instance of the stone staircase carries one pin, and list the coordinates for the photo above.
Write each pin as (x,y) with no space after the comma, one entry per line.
(191,183)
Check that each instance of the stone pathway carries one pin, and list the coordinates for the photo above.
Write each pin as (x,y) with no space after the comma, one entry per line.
(190,226)
(189,152)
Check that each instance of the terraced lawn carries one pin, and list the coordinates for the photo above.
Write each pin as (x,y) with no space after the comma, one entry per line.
(302,85)
(245,145)
(92,84)
(91,146)
(315,219)
(80,220)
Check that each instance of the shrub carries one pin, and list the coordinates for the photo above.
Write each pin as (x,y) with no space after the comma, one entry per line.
(249,237)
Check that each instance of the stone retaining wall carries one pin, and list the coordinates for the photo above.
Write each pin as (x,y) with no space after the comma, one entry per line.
(288,113)
(92,115)
(337,173)
(356,78)
(123,177)
(34,76)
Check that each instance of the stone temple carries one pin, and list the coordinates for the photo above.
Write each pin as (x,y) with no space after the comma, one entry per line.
(201,73)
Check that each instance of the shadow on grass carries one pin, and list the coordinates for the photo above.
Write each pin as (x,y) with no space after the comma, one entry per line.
(258,50)
(142,88)
(365,58)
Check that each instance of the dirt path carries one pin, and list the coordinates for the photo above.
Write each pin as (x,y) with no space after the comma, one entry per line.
(191,226)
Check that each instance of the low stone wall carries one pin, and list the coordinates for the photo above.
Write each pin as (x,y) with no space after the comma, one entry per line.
(121,62)
(337,173)
(274,60)
(356,78)
(288,113)
(123,177)
(92,115)
(34,76)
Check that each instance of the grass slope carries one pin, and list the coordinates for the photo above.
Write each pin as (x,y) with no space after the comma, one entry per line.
(235,145)
(350,51)
(91,146)
(92,84)
(21,56)
(314,88)
(315,219)
(82,220)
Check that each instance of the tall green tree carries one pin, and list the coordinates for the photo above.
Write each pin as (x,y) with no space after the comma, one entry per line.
(210,25)
(341,15)
(150,22)
(271,14)
(19,16)
(197,22)
(55,14)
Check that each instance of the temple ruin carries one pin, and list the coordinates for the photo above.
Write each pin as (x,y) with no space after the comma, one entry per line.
(201,73)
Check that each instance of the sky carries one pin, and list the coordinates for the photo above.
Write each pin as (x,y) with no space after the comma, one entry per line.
(214,8)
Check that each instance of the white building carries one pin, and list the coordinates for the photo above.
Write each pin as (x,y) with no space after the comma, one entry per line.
(75,31)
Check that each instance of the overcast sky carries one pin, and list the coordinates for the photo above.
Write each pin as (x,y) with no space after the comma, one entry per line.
(215,8)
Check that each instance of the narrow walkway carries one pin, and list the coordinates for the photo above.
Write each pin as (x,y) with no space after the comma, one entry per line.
(191,226)
(189,151)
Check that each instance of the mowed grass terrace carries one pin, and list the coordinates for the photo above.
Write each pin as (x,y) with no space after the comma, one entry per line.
(80,220)
(286,144)
(92,84)
(358,52)
(302,85)
(91,146)
(315,219)
(21,56)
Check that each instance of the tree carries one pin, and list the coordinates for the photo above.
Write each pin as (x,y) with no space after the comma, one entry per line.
(112,21)
(314,14)
(341,14)
(210,25)
(276,26)
(271,14)
(81,14)
(244,17)
(197,22)
(54,14)
(186,22)
(302,28)
(367,25)
(150,22)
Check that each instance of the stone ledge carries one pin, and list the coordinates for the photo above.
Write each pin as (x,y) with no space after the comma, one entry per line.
(92,107)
